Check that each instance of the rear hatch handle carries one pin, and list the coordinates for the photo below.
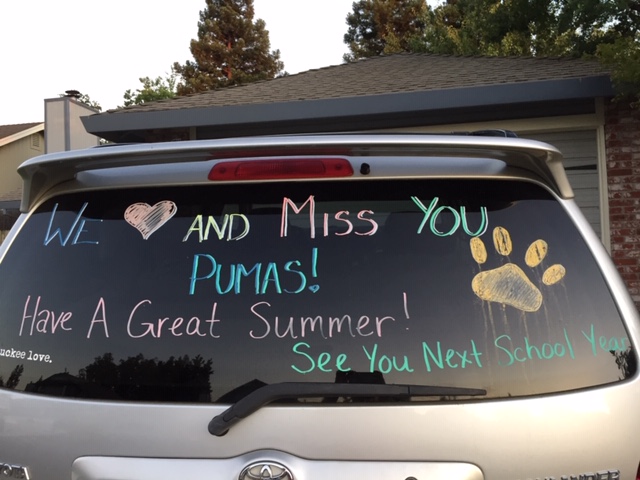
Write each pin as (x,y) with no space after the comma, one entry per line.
(251,403)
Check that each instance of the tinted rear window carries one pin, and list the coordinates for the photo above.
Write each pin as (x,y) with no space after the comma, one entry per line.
(200,294)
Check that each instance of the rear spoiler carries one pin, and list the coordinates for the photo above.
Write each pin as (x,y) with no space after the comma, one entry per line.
(42,173)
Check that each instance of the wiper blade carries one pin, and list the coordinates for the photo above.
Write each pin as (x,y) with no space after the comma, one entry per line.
(221,424)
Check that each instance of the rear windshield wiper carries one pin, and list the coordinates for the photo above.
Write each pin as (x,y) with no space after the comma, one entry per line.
(251,403)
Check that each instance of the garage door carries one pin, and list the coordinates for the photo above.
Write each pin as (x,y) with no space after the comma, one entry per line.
(580,151)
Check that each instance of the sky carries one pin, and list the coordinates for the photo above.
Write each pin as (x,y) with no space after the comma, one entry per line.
(102,48)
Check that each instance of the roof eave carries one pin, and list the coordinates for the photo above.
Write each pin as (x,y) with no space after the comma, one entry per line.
(21,134)
(108,125)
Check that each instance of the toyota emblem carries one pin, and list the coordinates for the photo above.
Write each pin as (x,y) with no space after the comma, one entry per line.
(265,471)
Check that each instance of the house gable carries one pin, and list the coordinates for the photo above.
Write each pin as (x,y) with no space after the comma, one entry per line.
(17,144)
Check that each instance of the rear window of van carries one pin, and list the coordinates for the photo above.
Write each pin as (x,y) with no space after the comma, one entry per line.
(204,293)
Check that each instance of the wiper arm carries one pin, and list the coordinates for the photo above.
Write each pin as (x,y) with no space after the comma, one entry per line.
(221,424)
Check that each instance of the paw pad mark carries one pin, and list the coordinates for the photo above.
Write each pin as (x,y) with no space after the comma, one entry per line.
(509,284)
(502,241)
(536,253)
(478,250)
(553,274)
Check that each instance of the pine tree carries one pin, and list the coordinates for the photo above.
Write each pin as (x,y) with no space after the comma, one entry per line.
(231,49)
(384,26)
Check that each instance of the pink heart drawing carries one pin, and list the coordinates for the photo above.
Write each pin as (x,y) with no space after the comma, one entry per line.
(147,219)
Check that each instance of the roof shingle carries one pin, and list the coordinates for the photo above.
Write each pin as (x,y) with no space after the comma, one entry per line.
(383,75)
(8,130)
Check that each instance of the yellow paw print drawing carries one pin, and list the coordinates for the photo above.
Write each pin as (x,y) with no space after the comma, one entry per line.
(509,284)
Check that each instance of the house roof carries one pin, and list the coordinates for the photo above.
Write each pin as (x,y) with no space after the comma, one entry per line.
(12,196)
(406,85)
(11,133)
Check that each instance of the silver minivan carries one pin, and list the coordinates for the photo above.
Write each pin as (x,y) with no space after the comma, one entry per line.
(393,307)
